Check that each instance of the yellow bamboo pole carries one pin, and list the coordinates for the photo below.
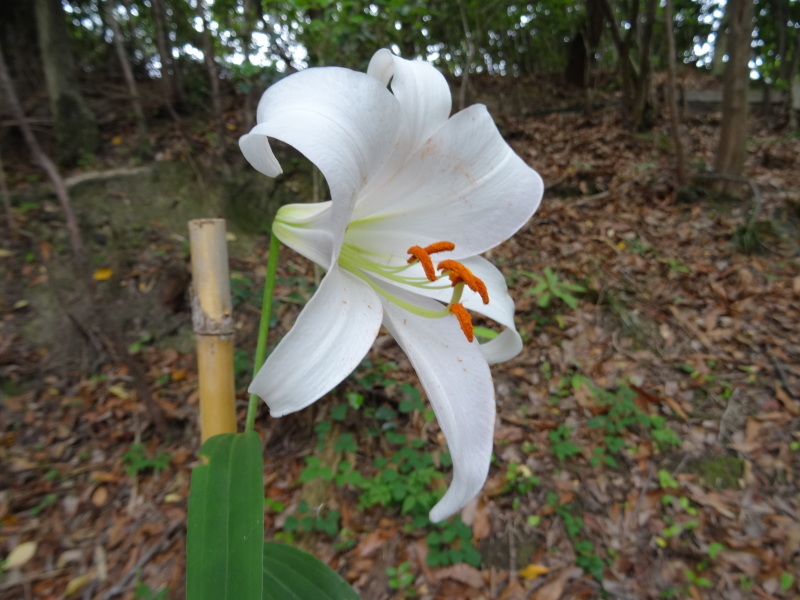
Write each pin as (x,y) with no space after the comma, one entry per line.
(212,318)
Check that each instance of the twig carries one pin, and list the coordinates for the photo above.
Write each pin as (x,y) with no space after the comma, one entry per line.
(782,374)
(758,201)
(278,46)
(5,585)
(84,330)
(548,185)
(730,419)
(645,485)
(157,548)
(603,195)
(71,182)
(12,224)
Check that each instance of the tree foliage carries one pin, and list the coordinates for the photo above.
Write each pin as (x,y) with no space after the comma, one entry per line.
(255,42)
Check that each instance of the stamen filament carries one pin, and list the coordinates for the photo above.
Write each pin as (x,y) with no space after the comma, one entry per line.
(409,306)
(356,257)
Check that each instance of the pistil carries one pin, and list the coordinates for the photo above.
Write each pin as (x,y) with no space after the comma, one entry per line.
(459,276)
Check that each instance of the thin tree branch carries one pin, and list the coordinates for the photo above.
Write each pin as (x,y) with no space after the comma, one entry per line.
(79,250)
(12,224)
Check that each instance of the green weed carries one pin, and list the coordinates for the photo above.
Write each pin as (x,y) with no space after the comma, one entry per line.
(586,557)
(306,520)
(142,591)
(137,461)
(560,444)
(451,545)
(549,286)
(401,579)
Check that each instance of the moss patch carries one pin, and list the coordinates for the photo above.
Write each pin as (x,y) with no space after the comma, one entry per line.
(723,472)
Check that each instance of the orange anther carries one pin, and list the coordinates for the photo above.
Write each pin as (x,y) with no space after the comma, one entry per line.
(481,290)
(463,274)
(440,247)
(464,319)
(419,253)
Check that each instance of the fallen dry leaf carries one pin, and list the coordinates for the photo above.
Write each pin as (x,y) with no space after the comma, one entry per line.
(462,573)
(77,583)
(554,588)
(533,571)
(513,591)
(20,555)
(481,527)
(100,496)
(102,274)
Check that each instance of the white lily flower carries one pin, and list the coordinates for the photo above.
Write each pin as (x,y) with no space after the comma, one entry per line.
(407,181)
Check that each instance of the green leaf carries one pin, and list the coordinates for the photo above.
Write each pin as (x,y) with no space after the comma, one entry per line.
(226,520)
(339,412)
(485,333)
(714,548)
(544,300)
(786,581)
(291,574)
(345,443)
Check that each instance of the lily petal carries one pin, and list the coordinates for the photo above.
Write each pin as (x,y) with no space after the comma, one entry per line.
(332,334)
(464,179)
(458,383)
(421,90)
(500,309)
(505,346)
(306,229)
(345,122)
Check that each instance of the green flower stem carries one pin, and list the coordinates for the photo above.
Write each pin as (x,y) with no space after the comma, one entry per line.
(263,328)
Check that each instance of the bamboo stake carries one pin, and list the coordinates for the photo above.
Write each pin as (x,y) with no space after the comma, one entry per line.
(212,318)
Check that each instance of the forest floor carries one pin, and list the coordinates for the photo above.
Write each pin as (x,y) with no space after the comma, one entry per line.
(647,441)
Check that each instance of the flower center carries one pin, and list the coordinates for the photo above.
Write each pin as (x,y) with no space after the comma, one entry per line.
(361,263)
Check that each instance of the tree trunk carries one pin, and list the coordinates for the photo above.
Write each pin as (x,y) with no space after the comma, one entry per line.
(720,48)
(625,63)
(577,62)
(731,150)
(791,76)
(75,126)
(143,148)
(169,74)
(462,92)
(250,18)
(642,101)
(213,77)
(677,143)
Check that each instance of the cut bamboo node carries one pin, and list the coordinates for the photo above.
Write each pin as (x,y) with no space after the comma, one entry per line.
(212,309)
